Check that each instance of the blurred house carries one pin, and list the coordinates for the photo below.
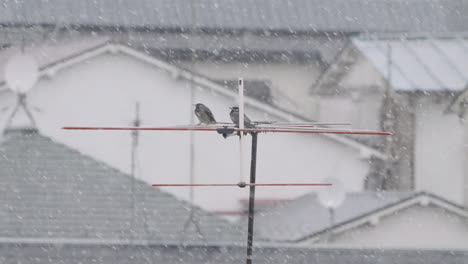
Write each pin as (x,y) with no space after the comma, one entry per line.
(59,205)
(98,58)
(458,107)
(368,220)
(53,194)
(288,43)
(405,84)
(282,48)
(93,82)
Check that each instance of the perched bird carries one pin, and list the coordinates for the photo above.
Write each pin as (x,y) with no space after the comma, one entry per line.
(204,114)
(235,118)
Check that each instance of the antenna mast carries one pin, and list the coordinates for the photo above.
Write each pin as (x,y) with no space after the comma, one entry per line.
(135,138)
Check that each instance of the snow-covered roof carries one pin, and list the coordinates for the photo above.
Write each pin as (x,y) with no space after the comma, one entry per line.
(419,63)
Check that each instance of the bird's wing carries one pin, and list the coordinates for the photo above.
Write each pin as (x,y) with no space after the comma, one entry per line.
(247,119)
(234,117)
(197,113)
(210,114)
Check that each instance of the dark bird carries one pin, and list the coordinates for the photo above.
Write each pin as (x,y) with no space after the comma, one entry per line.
(235,118)
(204,114)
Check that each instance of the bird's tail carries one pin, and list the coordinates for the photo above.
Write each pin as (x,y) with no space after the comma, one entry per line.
(230,135)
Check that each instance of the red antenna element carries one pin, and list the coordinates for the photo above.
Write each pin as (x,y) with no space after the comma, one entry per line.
(231,130)
(241,184)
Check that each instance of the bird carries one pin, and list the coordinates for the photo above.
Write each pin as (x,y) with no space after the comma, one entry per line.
(234,114)
(204,114)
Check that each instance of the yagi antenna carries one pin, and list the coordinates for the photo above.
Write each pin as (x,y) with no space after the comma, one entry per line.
(228,129)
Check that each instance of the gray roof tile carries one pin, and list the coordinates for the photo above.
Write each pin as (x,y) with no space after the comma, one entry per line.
(292,220)
(51,191)
(419,63)
(117,254)
(292,15)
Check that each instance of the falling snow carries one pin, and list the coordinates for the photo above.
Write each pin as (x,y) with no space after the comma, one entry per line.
(74,196)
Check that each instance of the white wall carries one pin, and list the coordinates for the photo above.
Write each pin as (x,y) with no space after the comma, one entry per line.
(414,227)
(361,98)
(362,112)
(439,138)
(365,84)
(439,149)
(362,74)
(102,92)
(291,83)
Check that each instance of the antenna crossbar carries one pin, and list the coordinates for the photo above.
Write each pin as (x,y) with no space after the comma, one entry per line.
(240,185)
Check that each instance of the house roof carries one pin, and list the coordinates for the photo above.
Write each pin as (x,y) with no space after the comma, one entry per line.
(50,191)
(419,63)
(459,103)
(291,221)
(136,253)
(328,83)
(295,15)
(272,48)
(64,55)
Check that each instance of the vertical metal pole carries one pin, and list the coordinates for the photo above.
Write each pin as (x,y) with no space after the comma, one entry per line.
(20,103)
(253,169)
(192,143)
(135,137)
(331,213)
(191,218)
(241,126)
(192,101)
